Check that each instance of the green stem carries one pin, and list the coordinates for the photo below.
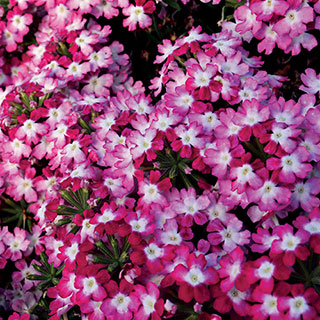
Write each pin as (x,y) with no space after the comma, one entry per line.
(156,27)
(304,269)
(297,277)
(186,180)
(310,260)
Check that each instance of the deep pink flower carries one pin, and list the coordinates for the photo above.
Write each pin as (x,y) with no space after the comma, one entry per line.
(291,166)
(90,284)
(290,245)
(151,305)
(191,207)
(121,301)
(270,195)
(194,278)
(229,236)
(151,189)
(301,304)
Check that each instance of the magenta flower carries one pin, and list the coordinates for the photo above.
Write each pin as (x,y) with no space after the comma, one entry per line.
(121,301)
(194,278)
(290,245)
(291,166)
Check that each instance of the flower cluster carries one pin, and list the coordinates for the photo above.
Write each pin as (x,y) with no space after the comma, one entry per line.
(194,196)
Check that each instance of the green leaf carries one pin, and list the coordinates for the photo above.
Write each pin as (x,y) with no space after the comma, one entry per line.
(62,209)
(75,229)
(63,50)
(36,277)
(40,269)
(101,260)
(59,271)
(11,203)
(10,219)
(173,3)
(25,99)
(234,3)
(185,179)
(44,284)
(44,259)
(43,98)
(173,172)
(85,126)
(102,246)
(316,271)
(67,196)
(63,221)
(84,197)
(112,266)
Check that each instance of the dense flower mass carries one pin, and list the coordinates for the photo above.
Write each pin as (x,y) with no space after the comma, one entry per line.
(190,192)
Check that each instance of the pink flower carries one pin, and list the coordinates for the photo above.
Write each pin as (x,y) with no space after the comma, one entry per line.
(230,236)
(301,304)
(82,6)
(151,305)
(220,158)
(235,299)
(85,40)
(121,301)
(242,174)
(144,144)
(194,278)
(17,22)
(246,20)
(99,85)
(248,116)
(268,305)
(16,243)
(288,112)
(270,195)
(90,284)
(137,14)
(306,40)
(281,135)
(295,20)
(230,271)
(167,50)
(291,166)
(311,81)
(190,139)
(201,79)
(304,194)
(266,9)
(290,245)
(16,316)
(15,149)
(263,240)
(30,131)
(191,207)
(23,186)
